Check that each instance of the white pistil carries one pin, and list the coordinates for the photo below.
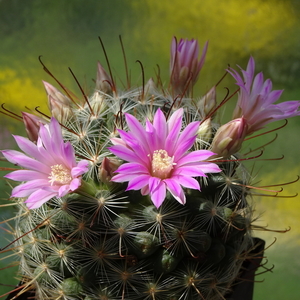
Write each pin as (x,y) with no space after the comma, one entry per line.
(60,174)
(162,164)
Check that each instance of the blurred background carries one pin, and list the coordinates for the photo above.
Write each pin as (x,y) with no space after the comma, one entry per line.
(66,34)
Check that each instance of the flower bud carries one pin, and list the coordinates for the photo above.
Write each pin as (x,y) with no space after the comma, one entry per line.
(150,87)
(208,103)
(229,137)
(185,65)
(204,132)
(32,125)
(59,104)
(59,110)
(55,94)
(107,168)
(103,81)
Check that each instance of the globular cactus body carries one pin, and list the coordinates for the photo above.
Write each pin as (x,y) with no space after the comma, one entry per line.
(92,249)
(101,238)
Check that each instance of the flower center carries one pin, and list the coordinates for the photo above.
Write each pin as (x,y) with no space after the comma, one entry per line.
(162,164)
(60,174)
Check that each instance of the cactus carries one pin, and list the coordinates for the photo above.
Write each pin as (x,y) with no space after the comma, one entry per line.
(139,194)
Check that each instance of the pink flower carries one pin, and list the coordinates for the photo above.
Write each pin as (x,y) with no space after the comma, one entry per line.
(158,159)
(256,100)
(184,65)
(50,166)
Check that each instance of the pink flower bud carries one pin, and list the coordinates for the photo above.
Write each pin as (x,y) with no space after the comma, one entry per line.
(185,65)
(229,137)
(32,125)
(107,168)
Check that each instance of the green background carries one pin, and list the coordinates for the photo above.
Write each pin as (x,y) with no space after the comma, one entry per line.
(66,34)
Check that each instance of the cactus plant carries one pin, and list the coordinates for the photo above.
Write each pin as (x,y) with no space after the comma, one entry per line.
(138,193)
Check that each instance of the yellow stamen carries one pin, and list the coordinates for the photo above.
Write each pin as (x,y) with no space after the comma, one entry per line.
(162,164)
(60,174)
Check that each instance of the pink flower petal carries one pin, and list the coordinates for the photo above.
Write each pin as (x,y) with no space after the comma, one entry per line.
(160,124)
(136,128)
(189,132)
(38,198)
(134,168)
(207,167)
(187,182)
(118,141)
(153,183)
(24,161)
(74,185)
(125,153)
(145,190)
(67,154)
(173,136)
(182,148)
(123,177)
(29,147)
(138,182)
(176,190)
(81,168)
(193,170)
(175,119)
(158,194)
(55,131)
(25,189)
(195,156)
(133,144)
(26,175)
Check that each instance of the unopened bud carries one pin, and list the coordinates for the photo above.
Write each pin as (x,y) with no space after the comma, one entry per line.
(208,103)
(97,103)
(150,87)
(149,91)
(229,137)
(55,94)
(107,168)
(205,132)
(32,125)
(59,111)
(59,104)
(185,64)
(103,81)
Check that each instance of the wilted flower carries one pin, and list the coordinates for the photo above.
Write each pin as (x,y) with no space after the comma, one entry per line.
(158,159)
(185,65)
(50,166)
(229,137)
(256,98)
